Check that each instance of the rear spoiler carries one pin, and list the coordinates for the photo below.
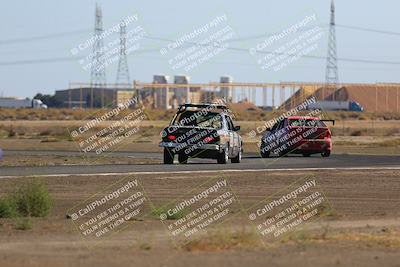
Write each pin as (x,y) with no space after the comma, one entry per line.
(333,121)
(202,106)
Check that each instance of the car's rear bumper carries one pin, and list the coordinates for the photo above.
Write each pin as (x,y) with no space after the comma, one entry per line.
(182,146)
(194,151)
(314,146)
(317,145)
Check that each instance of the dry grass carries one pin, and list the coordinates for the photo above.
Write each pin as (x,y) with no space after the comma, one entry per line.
(387,240)
(220,239)
(45,160)
(252,114)
(61,129)
(384,238)
(376,142)
(223,239)
(388,143)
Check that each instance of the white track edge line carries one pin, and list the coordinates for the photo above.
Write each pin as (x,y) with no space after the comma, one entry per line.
(202,171)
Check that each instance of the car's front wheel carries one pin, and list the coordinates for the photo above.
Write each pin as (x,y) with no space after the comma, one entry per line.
(168,156)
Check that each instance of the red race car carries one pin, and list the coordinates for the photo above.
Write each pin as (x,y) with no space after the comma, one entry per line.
(297,135)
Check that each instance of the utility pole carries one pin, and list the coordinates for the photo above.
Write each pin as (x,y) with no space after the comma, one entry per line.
(332,75)
(98,72)
(123,70)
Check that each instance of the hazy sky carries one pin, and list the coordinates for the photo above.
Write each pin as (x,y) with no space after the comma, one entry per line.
(173,19)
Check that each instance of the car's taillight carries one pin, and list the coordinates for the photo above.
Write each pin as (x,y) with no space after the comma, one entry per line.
(171,137)
(327,135)
(208,139)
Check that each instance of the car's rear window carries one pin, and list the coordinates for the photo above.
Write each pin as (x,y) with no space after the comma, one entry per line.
(193,118)
(306,123)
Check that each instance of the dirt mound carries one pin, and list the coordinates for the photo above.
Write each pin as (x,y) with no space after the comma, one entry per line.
(373,98)
(244,106)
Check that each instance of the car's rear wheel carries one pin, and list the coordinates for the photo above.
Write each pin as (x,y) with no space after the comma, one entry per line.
(265,153)
(223,157)
(183,158)
(326,153)
(283,153)
(238,157)
(168,156)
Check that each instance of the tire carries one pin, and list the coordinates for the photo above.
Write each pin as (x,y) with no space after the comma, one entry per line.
(306,155)
(183,158)
(326,153)
(238,157)
(223,157)
(283,154)
(168,156)
(265,154)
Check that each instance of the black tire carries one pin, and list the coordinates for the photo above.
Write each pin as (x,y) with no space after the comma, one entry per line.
(306,155)
(223,157)
(326,153)
(183,158)
(168,156)
(264,153)
(238,157)
(283,154)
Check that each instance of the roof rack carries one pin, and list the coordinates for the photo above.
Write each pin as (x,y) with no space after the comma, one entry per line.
(214,106)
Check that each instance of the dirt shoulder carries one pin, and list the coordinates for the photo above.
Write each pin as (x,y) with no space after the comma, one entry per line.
(362,229)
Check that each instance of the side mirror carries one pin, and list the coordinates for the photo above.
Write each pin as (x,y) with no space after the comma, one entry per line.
(236,128)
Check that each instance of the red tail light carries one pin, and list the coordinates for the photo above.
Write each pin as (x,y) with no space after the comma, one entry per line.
(208,139)
(327,135)
(171,137)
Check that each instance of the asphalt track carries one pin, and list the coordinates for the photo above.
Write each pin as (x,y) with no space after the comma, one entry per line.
(250,162)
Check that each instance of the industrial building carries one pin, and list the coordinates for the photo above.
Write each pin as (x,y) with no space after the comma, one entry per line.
(226,92)
(93,97)
(160,94)
(172,96)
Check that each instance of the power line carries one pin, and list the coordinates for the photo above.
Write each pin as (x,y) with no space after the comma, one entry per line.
(367,61)
(357,28)
(276,53)
(257,36)
(49,60)
(61,59)
(65,59)
(77,32)
(37,61)
(367,29)
(266,35)
(43,37)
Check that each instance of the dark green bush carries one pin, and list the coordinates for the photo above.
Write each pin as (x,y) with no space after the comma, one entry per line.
(8,208)
(30,200)
(159,210)
(33,199)
(23,224)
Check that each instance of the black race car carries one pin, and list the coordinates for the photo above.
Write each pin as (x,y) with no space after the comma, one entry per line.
(202,131)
